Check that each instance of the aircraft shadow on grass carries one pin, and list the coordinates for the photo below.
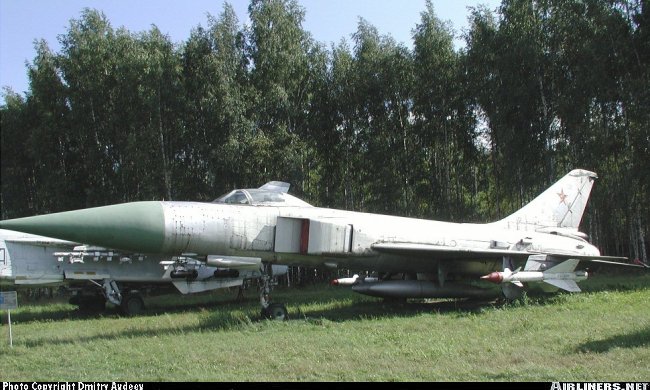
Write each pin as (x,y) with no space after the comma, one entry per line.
(636,339)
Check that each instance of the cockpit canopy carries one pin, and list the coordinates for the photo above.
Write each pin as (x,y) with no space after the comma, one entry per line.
(273,193)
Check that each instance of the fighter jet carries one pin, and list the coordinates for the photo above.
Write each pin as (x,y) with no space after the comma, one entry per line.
(414,258)
(97,275)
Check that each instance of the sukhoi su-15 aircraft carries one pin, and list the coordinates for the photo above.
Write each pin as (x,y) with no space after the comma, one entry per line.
(415,258)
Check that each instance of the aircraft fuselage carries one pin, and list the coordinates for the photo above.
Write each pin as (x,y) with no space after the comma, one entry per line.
(345,238)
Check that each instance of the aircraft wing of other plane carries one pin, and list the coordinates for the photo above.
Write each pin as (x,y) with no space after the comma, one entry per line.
(32,239)
(43,242)
(96,275)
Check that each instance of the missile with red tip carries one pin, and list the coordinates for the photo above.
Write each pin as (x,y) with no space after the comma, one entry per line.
(562,276)
(355,279)
(345,281)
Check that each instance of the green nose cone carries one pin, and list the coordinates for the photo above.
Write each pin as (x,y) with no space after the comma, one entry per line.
(137,226)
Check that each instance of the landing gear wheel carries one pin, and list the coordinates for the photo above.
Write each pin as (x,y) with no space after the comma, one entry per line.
(276,311)
(132,305)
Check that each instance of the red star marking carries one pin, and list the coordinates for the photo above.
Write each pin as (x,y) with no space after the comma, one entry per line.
(562,196)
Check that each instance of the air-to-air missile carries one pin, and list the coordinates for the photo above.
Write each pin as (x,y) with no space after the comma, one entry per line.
(95,276)
(345,281)
(562,276)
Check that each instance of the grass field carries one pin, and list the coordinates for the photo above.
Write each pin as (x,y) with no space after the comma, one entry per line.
(602,334)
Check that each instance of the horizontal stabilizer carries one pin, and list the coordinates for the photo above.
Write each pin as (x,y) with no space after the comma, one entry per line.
(568,285)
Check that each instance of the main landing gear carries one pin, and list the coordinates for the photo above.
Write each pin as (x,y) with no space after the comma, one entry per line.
(132,304)
(129,302)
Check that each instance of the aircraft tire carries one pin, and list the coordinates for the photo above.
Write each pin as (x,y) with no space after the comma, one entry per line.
(276,311)
(132,305)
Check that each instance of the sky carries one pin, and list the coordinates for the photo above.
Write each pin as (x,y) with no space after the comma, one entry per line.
(24,21)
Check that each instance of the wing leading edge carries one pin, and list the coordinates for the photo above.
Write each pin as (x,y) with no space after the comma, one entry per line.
(440,252)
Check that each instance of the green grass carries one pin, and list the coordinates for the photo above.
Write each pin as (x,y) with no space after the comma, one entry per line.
(602,334)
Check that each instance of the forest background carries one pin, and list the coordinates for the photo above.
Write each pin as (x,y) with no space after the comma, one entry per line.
(457,134)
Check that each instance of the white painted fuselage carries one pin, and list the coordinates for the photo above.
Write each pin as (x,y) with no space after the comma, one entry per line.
(254,230)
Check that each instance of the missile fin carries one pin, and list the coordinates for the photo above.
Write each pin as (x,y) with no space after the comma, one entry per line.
(568,285)
(565,266)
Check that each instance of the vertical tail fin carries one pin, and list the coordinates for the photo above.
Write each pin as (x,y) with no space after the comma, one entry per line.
(560,206)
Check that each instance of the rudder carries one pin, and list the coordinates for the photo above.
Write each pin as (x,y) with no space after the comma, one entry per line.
(560,206)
